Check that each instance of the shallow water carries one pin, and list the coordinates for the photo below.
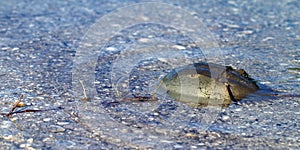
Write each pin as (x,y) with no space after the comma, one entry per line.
(164,122)
(38,45)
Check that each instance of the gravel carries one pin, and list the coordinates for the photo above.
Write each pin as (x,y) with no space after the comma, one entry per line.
(39,41)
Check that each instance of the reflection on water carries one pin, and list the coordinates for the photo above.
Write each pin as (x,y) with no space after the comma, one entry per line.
(132,64)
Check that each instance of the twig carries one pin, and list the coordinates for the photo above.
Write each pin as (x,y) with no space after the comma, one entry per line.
(135,98)
(12,111)
(36,110)
(84,92)
(15,106)
(140,98)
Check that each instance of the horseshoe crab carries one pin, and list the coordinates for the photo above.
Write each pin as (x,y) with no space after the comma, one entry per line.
(195,85)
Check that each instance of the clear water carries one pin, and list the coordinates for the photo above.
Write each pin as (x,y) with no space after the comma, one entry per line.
(38,58)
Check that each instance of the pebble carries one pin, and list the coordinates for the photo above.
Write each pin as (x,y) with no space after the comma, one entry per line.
(14,119)
(39,45)
(248,32)
(30,148)
(225,117)
(5,48)
(46,119)
(26,146)
(144,40)
(179,47)
(238,109)
(40,98)
(63,123)
(267,39)
(15,48)
(56,129)
(201,144)
(46,139)
(9,137)
(167,141)
(178,146)
(23,145)
(5,124)
(30,140)
(111,48)
(21,104)
(191,135)
(233,26)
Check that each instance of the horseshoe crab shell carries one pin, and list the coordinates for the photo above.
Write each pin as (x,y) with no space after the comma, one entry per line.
(195,86)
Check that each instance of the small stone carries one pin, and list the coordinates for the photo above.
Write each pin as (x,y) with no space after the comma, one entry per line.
(21,104)
(179,47)
(46,119)
(56,129)
(156,114)
(248,32)
(178,146)
(15,48)
(225,117)
(9,137)
(23,145)
(232,3)
(235,9)
(13,119)
(40,98)
(166,141)
(201,144)
(46,139)
(5,48)
(5,124)
(111,48)
(191,135)
(144,40)
(267,39)
(30,140)
(29,148)
(238,109)
(233,26)
(62,123)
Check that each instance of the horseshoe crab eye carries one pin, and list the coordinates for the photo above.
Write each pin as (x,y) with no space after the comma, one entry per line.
(243,73)
(193,76)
